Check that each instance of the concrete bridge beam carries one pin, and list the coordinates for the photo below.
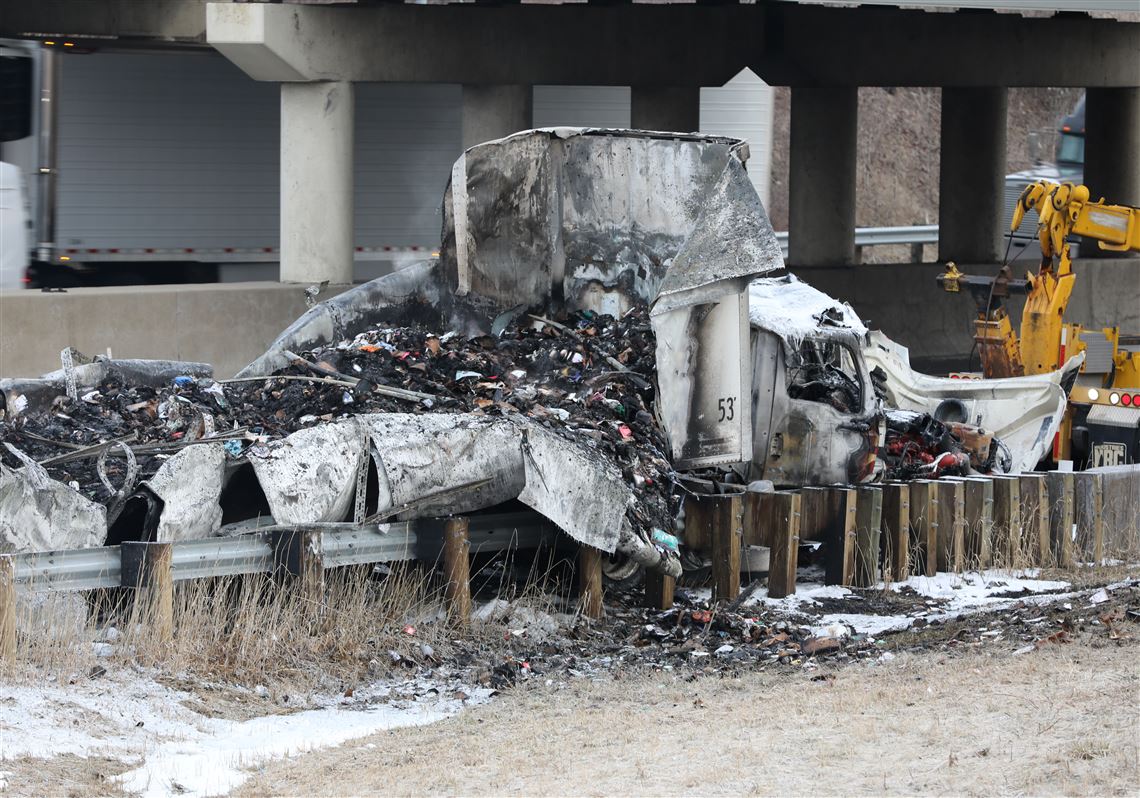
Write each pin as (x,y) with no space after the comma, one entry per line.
(972,173)
(673,108)
(786,44)
(821,208)
(1112,151)
(317,210)
(491,112)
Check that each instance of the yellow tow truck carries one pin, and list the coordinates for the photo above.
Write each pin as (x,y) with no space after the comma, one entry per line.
(1102,426)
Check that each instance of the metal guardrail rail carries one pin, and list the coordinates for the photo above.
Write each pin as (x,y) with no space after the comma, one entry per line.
(341,545)
(882,236)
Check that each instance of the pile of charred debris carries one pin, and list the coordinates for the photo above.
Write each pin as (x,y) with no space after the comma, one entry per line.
(586,377)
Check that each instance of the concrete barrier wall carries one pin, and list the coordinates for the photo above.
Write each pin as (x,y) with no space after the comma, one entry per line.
(226,324)
(905,301)
(229,324)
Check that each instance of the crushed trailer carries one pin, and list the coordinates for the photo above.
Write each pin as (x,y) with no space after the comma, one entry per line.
(602,331)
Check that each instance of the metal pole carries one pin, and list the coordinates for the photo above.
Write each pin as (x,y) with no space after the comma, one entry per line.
(48,152)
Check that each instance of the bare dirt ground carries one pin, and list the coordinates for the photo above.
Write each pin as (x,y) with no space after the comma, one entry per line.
(1063,719)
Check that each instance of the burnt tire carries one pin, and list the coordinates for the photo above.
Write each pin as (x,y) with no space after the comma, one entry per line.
(620,572)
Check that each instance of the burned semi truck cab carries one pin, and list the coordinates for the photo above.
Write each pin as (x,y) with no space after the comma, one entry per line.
(816,417)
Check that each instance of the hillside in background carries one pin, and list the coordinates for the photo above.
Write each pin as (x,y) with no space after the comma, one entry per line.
(897,180)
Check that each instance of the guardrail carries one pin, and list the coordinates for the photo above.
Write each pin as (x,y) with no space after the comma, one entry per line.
(339,545)
(916,235)
(297,555)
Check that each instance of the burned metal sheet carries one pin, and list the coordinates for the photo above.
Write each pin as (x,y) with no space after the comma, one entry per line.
(1024,413)
(410,294)
(190,485)
(704,380)
(444,463)
(310,476)
(575,488)
(596,218)
(732,240)
(38,513)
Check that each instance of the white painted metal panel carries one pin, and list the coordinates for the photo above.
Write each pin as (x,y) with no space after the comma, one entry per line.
(742,109)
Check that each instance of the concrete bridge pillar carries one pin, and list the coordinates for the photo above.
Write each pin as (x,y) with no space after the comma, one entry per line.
(317,210)
(491,112)
(821,207)
(972,174)
(1112,151)
(671,108)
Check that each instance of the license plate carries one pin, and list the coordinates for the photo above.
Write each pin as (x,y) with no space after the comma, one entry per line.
(1109,454)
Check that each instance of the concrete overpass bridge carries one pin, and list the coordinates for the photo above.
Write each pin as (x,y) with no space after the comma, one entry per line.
(318,50)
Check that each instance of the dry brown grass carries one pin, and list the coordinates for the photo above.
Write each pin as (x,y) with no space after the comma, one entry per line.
(242,629)
(1062,720)
(252,630)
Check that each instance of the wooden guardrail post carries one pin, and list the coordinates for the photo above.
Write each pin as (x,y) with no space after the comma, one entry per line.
(780,513)
(1006,543)
(924,524)
(1060,487)
(896,532)
(756,531)
(813,515)
(590,581)
(7,608)
(979,520)
(827,515)
(659,589)
(145,568)
(298,560)
(1088,515)
(457,570)
(727,536)
(951,525)
(1034,519)
(868,522)
(699,518)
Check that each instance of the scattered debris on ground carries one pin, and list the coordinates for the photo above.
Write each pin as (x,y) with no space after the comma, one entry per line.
(818,624)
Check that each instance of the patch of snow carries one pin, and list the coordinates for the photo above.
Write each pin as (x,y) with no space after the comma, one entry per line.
(950,596)
(127,715)
(976,589)
(216,761)
(793,309)
(837,630)
(868,624)
(806,594)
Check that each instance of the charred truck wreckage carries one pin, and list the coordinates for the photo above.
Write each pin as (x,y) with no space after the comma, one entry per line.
(602,334)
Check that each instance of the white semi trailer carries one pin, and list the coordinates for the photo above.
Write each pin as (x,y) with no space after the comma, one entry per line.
(160,167)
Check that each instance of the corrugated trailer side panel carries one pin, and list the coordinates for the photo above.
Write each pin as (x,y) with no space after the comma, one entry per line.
(166,151)
(180,150)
